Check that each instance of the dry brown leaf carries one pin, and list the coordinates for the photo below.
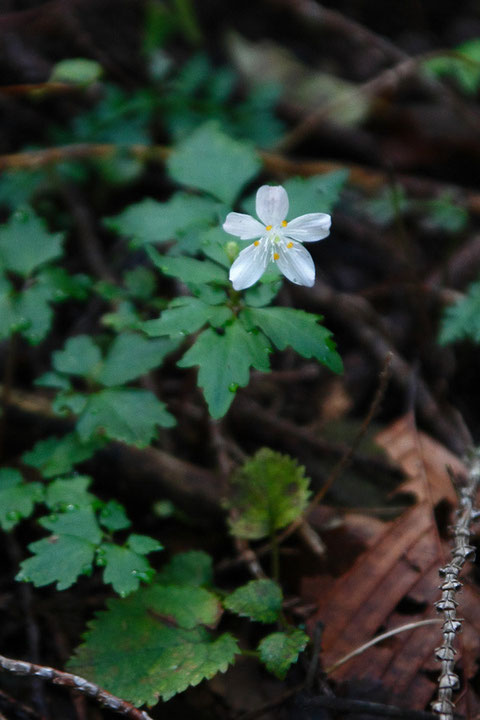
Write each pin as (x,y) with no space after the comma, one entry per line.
(395,582)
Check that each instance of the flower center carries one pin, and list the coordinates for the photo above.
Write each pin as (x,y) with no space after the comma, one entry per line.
(268,227)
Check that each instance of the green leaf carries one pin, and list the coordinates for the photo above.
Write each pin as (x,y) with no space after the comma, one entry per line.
(259,600)
(67,553)
(62,285)
(461,321)
(143,544)
(150,221)
(444,213)
(58,456)
(279,650)
(124,568)
(269,492)
(186,315)
(189,568)
(17,498)
(132,355)
(390,204)
(300,330)
(149,646)
(319,193)
(76,71)
(127,415)
(53,380)
(125,318)
(80,356)
(188,269)
(464,67)
(224,362)
(114,517)
(35,313)
(80,522)
(213,162)
(25,243)
(70,493)
(59,559)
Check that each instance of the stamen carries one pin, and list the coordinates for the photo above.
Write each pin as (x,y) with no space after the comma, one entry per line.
(268,227)
(276,256)
(289,245)
(284,223)
(256,243)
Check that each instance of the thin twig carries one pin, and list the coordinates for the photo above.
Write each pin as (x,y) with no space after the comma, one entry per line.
(462,551)
(74,682)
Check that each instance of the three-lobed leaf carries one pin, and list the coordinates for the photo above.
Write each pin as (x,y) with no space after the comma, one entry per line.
(150,221)
(128,415)
(297,329)
(186,315)
(224,361)
(26,244)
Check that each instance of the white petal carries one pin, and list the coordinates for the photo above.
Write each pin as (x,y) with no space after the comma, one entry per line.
(272,204)
(250,265)
(296,264)
(308,228)
(243,226)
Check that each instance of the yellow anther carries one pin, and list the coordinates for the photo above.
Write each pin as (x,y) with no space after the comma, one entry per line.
(269,227)
(256,243)
(289,245)
(284,223)
(276,256)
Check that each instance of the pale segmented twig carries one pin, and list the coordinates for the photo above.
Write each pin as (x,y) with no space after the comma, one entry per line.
(448,680)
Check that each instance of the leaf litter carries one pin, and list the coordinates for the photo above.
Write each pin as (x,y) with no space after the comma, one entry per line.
(394,581)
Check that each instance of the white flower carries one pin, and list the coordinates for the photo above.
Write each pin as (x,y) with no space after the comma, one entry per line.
(277,240)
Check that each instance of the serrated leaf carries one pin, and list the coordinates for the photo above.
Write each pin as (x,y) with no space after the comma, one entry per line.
(59,559)
(213,162)
(132,355)
(269,491)
(114,517)
(224,362)
(259,600)
(135,650)
(461,321)
(189,568)
(125,318)
(80,522)
(70,493)
(80,356)
(124,568)
(279,650)
(17,498)
(150,221)
(67,553)
(444,213)
(25,243)
(58,456)
(128,415)
(188,270)
(186,315)
(298,329)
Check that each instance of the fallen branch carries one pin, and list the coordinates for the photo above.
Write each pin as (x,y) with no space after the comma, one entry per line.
(74,682)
